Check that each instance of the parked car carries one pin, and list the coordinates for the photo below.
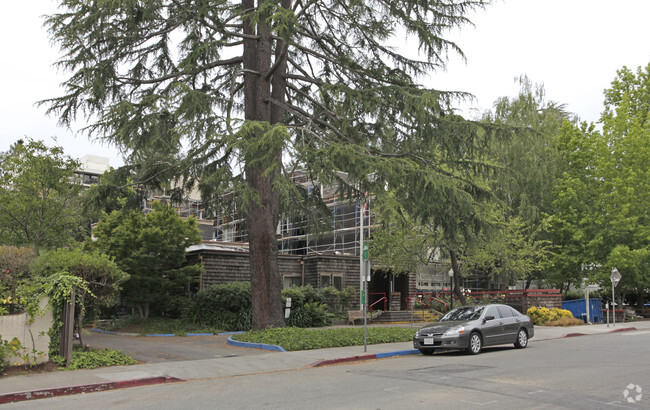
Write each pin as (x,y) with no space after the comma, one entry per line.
(471,328)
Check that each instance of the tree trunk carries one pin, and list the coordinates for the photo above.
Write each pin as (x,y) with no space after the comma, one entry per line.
(262,214)
(456,278)
(143,310)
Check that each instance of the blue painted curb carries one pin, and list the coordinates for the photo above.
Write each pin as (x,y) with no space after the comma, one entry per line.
(108,332)
(161,335)
(232,333)
(255,345)
(397,353)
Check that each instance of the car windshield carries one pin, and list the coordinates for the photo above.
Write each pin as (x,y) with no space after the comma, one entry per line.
(464,313)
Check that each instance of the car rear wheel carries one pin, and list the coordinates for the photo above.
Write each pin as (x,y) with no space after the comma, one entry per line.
(427,352)
(522,339)
(475,343)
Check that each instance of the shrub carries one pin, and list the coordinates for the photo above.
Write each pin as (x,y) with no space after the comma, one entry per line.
(565,321)
(312,307)
(93,358)
(311,314)
(226,307)
(543,315)
(292,338)
(14,348)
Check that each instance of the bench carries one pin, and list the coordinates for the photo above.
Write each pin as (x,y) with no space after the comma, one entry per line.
(354,315)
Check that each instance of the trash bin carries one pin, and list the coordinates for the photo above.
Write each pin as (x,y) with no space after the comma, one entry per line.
(579,309)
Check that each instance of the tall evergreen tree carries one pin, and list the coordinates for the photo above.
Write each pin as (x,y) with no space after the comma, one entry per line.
(235,94)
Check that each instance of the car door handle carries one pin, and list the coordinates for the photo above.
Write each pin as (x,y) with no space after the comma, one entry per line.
(518,320)
(500,322)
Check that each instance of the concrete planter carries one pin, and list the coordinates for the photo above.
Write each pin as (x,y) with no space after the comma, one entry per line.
(33,336)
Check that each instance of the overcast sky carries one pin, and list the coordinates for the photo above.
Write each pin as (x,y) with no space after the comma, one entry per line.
(574,47)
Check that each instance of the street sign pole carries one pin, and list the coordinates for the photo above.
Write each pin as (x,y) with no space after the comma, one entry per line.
(615,277)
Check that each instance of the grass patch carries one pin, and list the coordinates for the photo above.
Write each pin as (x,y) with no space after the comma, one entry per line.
(157,325)
(294,338)
(565,321)
(93,358)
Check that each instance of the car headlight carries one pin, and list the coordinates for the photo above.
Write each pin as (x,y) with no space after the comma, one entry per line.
(454,331)
(417,333)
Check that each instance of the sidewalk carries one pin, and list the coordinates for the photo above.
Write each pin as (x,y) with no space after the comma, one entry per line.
(61,383)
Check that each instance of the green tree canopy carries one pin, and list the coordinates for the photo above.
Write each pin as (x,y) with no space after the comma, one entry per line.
(151,249)
(39,196)
(236,94)
(624,175)
(600,214)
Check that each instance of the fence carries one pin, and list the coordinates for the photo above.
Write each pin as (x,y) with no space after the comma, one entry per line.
(518,299)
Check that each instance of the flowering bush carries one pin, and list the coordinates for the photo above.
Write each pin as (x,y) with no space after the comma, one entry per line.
(14,348)
(9,305)
(542,315)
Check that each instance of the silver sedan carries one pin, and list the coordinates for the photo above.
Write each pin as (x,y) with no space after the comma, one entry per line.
(471,328)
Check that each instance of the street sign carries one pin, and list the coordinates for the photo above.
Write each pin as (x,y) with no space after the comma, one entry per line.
(365,251)
(615,277)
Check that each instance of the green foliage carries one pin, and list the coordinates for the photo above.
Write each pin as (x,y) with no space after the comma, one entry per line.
(311,314)
(93,358)
(600,216)
(113,193)
(543,315)
(14,278)
(151,249)
(15,349)
(158,325)
(509,251)
(312,307)
(39,196)
(226,307)
(354,107)
(99,279)
(293,338)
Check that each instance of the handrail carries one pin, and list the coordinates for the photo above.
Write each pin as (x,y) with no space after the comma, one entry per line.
(385,299)
(431,297)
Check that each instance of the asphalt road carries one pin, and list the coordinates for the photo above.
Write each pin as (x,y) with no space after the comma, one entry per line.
(156,349)
(588,372)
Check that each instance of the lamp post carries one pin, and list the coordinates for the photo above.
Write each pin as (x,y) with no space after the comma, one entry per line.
(451,281)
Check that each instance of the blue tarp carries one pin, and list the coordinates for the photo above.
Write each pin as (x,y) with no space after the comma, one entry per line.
(579,309)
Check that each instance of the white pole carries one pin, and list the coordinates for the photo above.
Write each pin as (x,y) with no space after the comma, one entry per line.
(587,307)
(365,311)
(361,270)
(613,307)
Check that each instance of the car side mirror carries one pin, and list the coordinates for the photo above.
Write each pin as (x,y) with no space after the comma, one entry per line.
(486,318)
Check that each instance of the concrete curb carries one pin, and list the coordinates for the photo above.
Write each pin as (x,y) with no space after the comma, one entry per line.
(85,388)
(237,343)
(625,329)
(363,357)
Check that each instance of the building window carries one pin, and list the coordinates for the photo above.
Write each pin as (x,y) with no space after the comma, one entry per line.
(331,280)
(291,281)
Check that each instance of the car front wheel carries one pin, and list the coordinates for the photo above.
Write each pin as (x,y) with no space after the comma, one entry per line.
(475,343)
(522,339)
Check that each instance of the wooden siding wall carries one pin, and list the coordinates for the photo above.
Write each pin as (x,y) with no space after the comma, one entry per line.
(227,266)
